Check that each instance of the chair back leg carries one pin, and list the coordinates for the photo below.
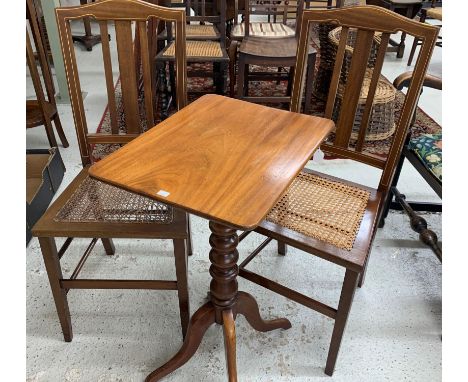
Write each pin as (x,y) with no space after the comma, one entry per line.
(180,254)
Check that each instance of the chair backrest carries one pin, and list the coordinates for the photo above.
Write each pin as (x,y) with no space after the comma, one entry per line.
(136,48)
(365,22)
(211,11)
(34,31)
(276,11)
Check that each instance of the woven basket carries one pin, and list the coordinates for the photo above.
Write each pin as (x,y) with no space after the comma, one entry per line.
(382,118)
(329,38)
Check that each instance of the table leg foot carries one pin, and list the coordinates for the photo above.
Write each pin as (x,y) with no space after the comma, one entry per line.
(248,307)
(203,318)
(229,329)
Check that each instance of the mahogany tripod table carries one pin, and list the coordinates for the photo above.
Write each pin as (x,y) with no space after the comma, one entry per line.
(228,161)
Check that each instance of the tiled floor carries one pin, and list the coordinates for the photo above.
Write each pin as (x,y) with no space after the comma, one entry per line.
(394,331)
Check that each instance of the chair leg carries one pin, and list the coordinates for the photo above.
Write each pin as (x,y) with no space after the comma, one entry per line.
(108,246)
(60,132)
(50,133)
(282,248)
(344,307)
(189,237)
(54,272)
(241,80)
(232,67)
(416,40)
(180,255)
(220,83)
(413,50)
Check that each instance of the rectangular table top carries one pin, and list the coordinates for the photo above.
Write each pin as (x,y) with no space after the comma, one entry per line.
(220,158)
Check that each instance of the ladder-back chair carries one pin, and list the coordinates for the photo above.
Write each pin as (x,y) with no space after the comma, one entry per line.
(91,209)
(202,47)
(330,217)
(43,109)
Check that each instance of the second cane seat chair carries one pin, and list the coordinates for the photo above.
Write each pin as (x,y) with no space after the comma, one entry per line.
(195,29)
(90,209)
(202,50)
(330,217)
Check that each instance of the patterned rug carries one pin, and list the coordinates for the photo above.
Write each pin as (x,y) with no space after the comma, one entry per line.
(198,86)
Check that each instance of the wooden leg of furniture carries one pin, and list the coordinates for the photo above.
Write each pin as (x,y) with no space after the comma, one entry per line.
(242,74)
(54,272)
(50,132)
(219,77)
(189,237)
(226,302)
(344,307)
(199,324)
(108,246)
(282,248)
(60,132)
(401,46)
(229,329)
(419,224)
(362,275)
(232,52)
(180,255)
(416,40)
(88,40)
(248,307)
(161,70)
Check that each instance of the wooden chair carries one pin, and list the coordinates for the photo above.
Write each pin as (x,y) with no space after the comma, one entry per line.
(199,48)
(330,217)
(408,8)
(425,155)
(195,29)
(271,52)
(91,209)
(42,110)
(431,12)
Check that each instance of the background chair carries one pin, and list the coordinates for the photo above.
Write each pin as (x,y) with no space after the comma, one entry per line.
(330,217)
(42,110)
(408,8)
(206,44)
(91,209)
(425,155)
(271,52)
(432,12)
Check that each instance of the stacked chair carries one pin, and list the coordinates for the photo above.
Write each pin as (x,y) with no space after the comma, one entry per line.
(91,209)
(206,44)
(330,217)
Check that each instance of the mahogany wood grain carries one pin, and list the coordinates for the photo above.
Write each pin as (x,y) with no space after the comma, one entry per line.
(208,165)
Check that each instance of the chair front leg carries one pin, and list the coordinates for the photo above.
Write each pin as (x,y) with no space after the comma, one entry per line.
(54,272)
(344,307)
